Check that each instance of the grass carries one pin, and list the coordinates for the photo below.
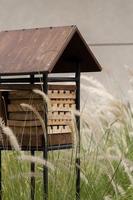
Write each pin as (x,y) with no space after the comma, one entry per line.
(106,156)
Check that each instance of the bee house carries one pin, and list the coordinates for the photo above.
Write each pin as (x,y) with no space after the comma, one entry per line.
(51,60)
(27,58)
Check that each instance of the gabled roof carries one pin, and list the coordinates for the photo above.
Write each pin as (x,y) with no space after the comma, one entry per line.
(52,49)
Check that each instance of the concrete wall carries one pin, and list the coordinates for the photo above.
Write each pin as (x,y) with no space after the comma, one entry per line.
(98,20)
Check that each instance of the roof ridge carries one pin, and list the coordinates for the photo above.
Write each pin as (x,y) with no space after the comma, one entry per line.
(38,28)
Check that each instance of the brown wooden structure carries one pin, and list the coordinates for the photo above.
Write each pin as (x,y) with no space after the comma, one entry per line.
(27,58)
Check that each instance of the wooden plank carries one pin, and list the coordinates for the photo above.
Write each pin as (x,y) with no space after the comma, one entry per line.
(13,123)
(23,140)
(24,87)
(59,139)
(27,130)
(57,116)
(61,94)
(62,101)
(55,107)
(23,116)
(27,101)
(23,95)
(36,140)
(40,101)
(63,109)
(58,129)
(18,108)
(61,87)
(63,106)
(39,130)
(37,123)
(59,122)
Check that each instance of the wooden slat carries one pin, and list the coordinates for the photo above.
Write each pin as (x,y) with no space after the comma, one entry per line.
(27,130)
(40,101)
(58,139)
(23,95)
(37,123)
(37,140)
(59,122)
(27,101)
(39,130)
(59,94)
(56,116)
(13,123)
(18,108)
(62,106)
(63,101)
(55,107)
(58,129)
(23,116)
(24,87)
(61,87)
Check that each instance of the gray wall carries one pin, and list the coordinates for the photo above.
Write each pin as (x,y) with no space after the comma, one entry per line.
(98,20)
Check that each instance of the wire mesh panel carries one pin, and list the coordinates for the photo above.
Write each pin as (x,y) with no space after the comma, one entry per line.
(25,123)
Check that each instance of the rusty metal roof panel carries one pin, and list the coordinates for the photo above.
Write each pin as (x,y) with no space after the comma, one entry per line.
(33,50)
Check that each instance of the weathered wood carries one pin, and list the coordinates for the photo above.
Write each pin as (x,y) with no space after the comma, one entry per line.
(61,94)
(62,87)
(18,108)
(24,87)
(59,122)
(63,101)
(36,140)
(63,107)
(27,101)
(55,107)
(55,116)
(36,123)
(15,123)
(27,130)
(58,129)
(25,124)
(23,116)
(23,95)
(38,130)
(60,139)
(23,140)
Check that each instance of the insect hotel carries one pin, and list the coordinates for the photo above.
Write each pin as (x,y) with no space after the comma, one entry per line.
(50,59)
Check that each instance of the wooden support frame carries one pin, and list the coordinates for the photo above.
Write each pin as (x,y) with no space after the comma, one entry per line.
(46,148)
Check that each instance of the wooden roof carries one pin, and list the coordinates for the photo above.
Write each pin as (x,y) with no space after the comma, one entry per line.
(52,49)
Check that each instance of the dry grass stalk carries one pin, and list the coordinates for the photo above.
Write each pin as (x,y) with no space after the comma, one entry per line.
(30,107)
(37,160)
(9,133)
(45,98)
